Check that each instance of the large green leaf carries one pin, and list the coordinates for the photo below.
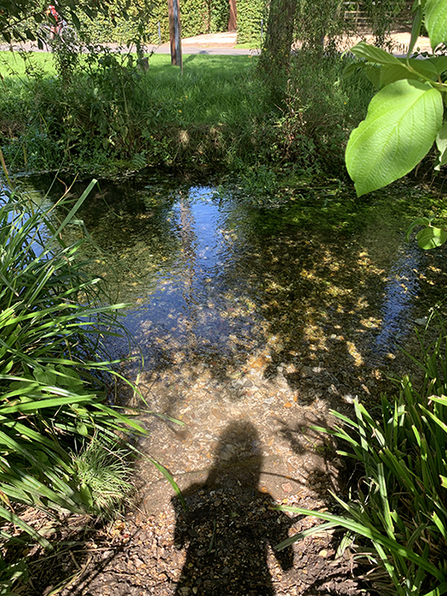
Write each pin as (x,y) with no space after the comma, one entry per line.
(436,21)
(401,125)
(439,62)
(441,143)
(407,69)
(420,221)
(416,28)
(431,237)
(373,54)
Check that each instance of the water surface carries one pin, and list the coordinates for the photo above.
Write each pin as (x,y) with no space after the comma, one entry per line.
(247,312)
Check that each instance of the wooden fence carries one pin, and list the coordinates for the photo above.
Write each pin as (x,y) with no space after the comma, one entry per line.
(356,16)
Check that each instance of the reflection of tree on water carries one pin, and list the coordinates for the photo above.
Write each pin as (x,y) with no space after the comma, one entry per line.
(230,524)
(189,247)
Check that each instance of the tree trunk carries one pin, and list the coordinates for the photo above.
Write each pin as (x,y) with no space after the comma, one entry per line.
(279,35)
(232,23)
(175,33)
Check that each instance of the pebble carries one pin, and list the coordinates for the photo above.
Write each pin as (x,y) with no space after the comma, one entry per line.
(349,399)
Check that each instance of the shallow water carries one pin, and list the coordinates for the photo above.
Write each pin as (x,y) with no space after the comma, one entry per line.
(242,315)
(208,278)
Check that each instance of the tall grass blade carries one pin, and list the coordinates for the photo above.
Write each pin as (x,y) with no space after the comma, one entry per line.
(371,534)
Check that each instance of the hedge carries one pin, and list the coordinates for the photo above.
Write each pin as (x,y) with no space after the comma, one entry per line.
(251,20)
(197,17)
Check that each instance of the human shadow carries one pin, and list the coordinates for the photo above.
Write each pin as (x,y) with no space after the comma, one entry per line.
(230,523)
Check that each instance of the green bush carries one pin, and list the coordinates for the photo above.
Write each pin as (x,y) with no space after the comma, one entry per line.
(220,15)
(401,505)
(197,17)
(251,16)
(319,108)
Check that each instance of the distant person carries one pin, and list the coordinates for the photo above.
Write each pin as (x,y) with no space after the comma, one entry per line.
(51,10)
(230,524)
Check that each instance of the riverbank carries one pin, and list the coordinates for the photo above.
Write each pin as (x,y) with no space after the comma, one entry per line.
(221,115)
(253,324)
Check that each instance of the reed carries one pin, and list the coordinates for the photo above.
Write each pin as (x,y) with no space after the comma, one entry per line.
(399,514)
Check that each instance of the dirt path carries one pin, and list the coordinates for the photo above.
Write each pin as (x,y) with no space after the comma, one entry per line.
(225,44)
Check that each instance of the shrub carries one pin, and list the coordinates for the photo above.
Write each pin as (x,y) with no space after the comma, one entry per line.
(54,373)
(319,109)
(249,17)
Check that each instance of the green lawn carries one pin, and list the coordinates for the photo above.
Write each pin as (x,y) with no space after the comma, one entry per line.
(211,89)
(13,64)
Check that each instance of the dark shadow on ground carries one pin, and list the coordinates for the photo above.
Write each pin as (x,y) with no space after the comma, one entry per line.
(229,533)
(227,539)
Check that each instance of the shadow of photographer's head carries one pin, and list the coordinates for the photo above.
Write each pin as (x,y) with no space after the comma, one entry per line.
(237,457)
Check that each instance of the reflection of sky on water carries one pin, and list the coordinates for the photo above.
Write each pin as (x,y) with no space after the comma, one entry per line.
(190,302)
(400,290)
(209,279)
(21,209)
(207,297)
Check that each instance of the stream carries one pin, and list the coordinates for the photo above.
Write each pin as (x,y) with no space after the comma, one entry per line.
(242,316)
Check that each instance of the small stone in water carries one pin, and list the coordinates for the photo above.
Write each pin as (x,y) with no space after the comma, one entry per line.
(422,321)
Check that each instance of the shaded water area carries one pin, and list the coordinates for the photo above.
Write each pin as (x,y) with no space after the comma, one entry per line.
(246,317)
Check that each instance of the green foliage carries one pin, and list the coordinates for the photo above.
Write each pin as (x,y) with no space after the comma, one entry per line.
(430,236)
(54,371)
(318,23)
(104,475)
(390,142)
(320,109)
(219,15)
(62,447)
(218,114)
(21,19)
(312,25)
(436,21)
(406,116)
(10,574)
(401,505)
(112,110)
(197,17)
(381,17)
(250,13)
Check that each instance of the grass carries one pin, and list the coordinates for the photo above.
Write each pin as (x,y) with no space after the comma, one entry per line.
(211,90)
(98,111)
(54,368)
(104,474)
(248,46)
(63,447)
(13,65)
(399,511)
